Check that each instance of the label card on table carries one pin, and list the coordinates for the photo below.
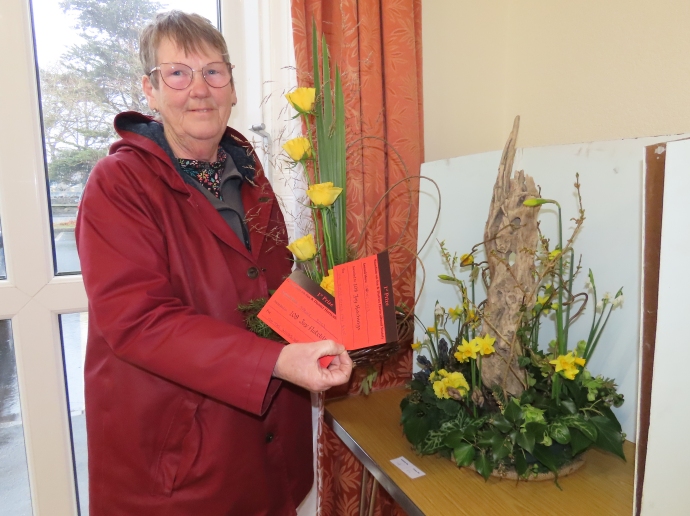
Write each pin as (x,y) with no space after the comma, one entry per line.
(408,468)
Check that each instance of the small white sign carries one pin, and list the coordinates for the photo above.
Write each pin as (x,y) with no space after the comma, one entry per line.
(408,468)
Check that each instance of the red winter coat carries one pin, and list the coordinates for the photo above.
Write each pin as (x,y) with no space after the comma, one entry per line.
(183,416)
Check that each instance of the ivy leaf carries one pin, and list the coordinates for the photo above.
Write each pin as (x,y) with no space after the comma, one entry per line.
(608,436)
(416,429)
(612,417)
(502,423)
(537,430)
(526,440)
(486,438)
(501,450)
(483,465)
(513,413)
(464,454)
(416,385)
(568,407)
(560,432)
(578,441)
(454,439)
(410,410)
(520,463)
(543,455)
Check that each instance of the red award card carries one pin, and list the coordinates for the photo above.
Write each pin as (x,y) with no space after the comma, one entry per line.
(301,311)
(366,309)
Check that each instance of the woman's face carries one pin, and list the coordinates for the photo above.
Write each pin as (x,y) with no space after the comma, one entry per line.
(195,118)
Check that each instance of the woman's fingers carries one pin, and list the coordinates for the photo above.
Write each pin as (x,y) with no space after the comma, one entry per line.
(299,364)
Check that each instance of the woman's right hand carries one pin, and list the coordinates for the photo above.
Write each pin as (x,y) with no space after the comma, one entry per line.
(299,364)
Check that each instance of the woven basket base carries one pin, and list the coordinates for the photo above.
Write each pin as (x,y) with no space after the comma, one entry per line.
(566,470)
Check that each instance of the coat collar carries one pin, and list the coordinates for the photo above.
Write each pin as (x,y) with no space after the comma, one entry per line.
(145,134)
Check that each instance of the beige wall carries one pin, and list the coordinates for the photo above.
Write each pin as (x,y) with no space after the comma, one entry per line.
(575,71)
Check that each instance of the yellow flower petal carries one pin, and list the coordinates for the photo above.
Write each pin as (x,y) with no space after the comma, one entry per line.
(323,194)
(302,99)
(416,345)
(485,344)
(303,248)
(328,283)
(298,148)
(466,260)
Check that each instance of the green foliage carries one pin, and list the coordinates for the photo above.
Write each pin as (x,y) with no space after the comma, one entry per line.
(93,81)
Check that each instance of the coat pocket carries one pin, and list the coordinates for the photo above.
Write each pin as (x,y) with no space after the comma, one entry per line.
(180,448)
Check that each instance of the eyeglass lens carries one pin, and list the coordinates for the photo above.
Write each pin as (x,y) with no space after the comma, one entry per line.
(179,76)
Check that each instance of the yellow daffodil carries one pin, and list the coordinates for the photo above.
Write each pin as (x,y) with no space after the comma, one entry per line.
(466,260)
(467,350)
(303,248)
(302,99)
(416,345)
(455,313)
(554,254)
(328,283)
(298,148)
(455,380)
(323,194)
(485,344)
(431,330)
(472,316)
(567,365)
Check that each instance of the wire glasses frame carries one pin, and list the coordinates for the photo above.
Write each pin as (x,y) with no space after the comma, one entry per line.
(179,76)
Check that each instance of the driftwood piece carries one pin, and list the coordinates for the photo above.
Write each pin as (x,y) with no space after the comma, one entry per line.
(511,236)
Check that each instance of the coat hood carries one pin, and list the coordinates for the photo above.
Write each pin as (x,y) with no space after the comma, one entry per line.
(144,133)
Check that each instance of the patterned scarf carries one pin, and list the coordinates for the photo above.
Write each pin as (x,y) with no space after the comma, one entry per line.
(207,173)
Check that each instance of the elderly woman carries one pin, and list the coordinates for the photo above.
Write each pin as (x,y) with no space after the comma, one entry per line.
(188,413)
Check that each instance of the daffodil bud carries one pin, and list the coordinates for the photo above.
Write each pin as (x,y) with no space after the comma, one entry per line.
(537,201)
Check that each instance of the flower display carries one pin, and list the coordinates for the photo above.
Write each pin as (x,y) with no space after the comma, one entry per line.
(561,409)
(323,194)
(302,100)
(298,148)
(303,248)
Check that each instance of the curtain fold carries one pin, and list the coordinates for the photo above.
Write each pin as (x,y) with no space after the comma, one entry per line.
(377,45)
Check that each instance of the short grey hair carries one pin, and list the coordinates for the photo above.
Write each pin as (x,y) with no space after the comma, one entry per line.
(191,32)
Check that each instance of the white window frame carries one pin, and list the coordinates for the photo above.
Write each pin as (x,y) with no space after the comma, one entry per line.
(33,297)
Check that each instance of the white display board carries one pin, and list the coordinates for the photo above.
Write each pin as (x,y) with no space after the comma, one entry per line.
(668,455)
(610,242)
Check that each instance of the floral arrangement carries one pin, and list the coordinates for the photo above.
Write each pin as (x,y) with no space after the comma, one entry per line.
(562,411)
(321,152)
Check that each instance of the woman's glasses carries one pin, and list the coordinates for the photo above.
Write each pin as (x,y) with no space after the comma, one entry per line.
(179,76)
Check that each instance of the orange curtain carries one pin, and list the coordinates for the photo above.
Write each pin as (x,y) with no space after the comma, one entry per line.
(377,45)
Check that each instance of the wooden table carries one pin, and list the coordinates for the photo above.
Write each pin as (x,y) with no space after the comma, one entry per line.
(369,427)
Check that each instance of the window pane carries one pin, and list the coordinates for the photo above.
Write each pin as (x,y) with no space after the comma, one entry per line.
(74,327)
(89,71)
(14,475)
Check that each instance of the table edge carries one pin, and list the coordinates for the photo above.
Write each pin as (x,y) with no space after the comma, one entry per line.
(389,485)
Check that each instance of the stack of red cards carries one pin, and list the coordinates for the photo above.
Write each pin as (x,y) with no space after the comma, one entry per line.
(301,311)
